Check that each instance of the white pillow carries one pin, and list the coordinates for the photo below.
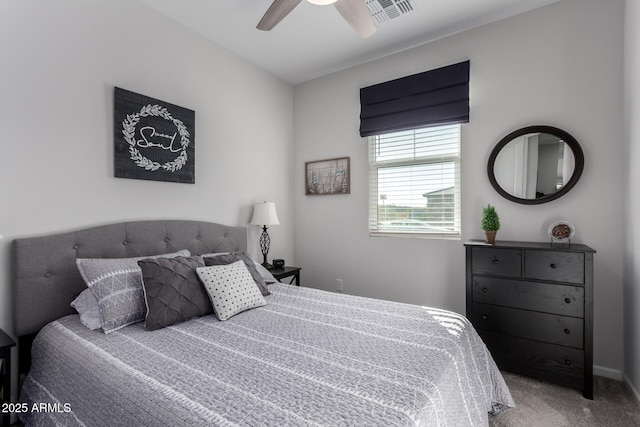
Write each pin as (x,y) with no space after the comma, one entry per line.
(231,288)
(215,254)
(86,305)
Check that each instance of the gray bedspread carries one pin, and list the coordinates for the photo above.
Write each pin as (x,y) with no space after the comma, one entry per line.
(308,357)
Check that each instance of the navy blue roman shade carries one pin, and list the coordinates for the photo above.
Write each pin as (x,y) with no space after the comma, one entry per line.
(436,97)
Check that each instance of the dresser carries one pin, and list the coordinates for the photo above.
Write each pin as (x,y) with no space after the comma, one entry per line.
(532,304)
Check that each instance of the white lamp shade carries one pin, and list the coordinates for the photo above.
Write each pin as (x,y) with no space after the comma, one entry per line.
(265,214)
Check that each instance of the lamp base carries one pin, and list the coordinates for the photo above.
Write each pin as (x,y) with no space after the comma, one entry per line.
(264,246)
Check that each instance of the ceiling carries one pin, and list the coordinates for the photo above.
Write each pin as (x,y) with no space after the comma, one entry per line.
(313,41)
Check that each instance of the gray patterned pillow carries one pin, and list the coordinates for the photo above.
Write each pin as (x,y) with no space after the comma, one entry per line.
(117,285)
(231,289)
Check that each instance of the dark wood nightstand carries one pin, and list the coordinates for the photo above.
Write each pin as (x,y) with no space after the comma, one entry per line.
(283,272)
(5,354)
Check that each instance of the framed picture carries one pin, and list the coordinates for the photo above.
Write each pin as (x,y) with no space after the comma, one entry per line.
(331,176)
(153,139)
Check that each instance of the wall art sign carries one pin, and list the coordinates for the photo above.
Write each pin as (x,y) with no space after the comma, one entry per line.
(331,176)
(154,140)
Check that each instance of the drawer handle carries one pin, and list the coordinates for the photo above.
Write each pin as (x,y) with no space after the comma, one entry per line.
(485,290)
(552,266)
(566,331)
(484,317)
(567,362)
(567,300)
(495,260)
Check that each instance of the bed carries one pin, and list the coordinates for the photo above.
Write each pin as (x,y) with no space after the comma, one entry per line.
(307,357)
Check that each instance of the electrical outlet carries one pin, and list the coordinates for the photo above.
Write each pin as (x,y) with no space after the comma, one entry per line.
(339,285)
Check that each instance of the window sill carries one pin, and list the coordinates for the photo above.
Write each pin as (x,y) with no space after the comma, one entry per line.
(410,235)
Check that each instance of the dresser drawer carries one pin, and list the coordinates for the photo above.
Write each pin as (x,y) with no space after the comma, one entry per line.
(546,297)
(554,265)
(499,262)
(555,363)
(551,328)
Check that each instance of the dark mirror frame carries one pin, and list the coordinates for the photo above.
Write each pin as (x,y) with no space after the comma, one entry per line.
(567,138)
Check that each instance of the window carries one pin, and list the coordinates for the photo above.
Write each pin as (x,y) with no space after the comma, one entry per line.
(415,182)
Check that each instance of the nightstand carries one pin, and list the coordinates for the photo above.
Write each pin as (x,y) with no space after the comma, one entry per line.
(5,354)
(283,272)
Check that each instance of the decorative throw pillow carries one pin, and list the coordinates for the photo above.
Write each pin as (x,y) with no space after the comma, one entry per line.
(87,307)
(172,291)
(231,289)
(117,285)
(232,257)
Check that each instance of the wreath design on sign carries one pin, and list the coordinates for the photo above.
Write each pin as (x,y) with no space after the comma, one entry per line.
(129,130)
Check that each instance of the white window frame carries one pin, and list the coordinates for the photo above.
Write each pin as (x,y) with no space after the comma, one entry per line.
(376,229)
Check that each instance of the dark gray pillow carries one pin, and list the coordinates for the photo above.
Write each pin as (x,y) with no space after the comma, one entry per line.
(232,257)
(116,284)
(172,290)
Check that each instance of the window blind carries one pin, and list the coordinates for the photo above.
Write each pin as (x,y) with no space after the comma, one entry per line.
(415,182)
(435,97)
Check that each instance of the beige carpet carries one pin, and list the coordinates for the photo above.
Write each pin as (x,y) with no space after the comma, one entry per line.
(541,404)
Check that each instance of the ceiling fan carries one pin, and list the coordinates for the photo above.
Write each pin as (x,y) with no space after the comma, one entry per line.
(355,12)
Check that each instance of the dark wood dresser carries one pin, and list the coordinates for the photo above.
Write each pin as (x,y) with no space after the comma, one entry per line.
(532,304)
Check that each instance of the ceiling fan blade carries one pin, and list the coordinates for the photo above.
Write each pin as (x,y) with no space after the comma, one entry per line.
(276,13)
(357,14)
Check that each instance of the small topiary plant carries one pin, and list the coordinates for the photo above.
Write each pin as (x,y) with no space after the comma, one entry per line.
(490,220)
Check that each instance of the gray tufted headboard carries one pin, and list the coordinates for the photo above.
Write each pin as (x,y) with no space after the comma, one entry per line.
(46,278)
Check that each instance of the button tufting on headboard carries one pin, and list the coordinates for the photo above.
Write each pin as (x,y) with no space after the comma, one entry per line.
(53,259)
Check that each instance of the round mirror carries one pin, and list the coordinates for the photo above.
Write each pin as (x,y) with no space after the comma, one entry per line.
(535,164)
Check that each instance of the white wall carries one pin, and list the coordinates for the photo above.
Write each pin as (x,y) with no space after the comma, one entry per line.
(631,292)
(560,65)
(60,62)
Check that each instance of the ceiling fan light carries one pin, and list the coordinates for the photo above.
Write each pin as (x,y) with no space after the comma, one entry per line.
(322,2)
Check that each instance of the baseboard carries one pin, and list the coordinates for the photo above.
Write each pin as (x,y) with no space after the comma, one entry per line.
(634,391)
(614,374)
(601,371)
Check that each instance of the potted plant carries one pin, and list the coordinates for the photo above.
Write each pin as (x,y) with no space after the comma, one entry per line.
(490,223)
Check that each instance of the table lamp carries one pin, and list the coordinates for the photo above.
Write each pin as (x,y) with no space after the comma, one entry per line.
(265,214)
